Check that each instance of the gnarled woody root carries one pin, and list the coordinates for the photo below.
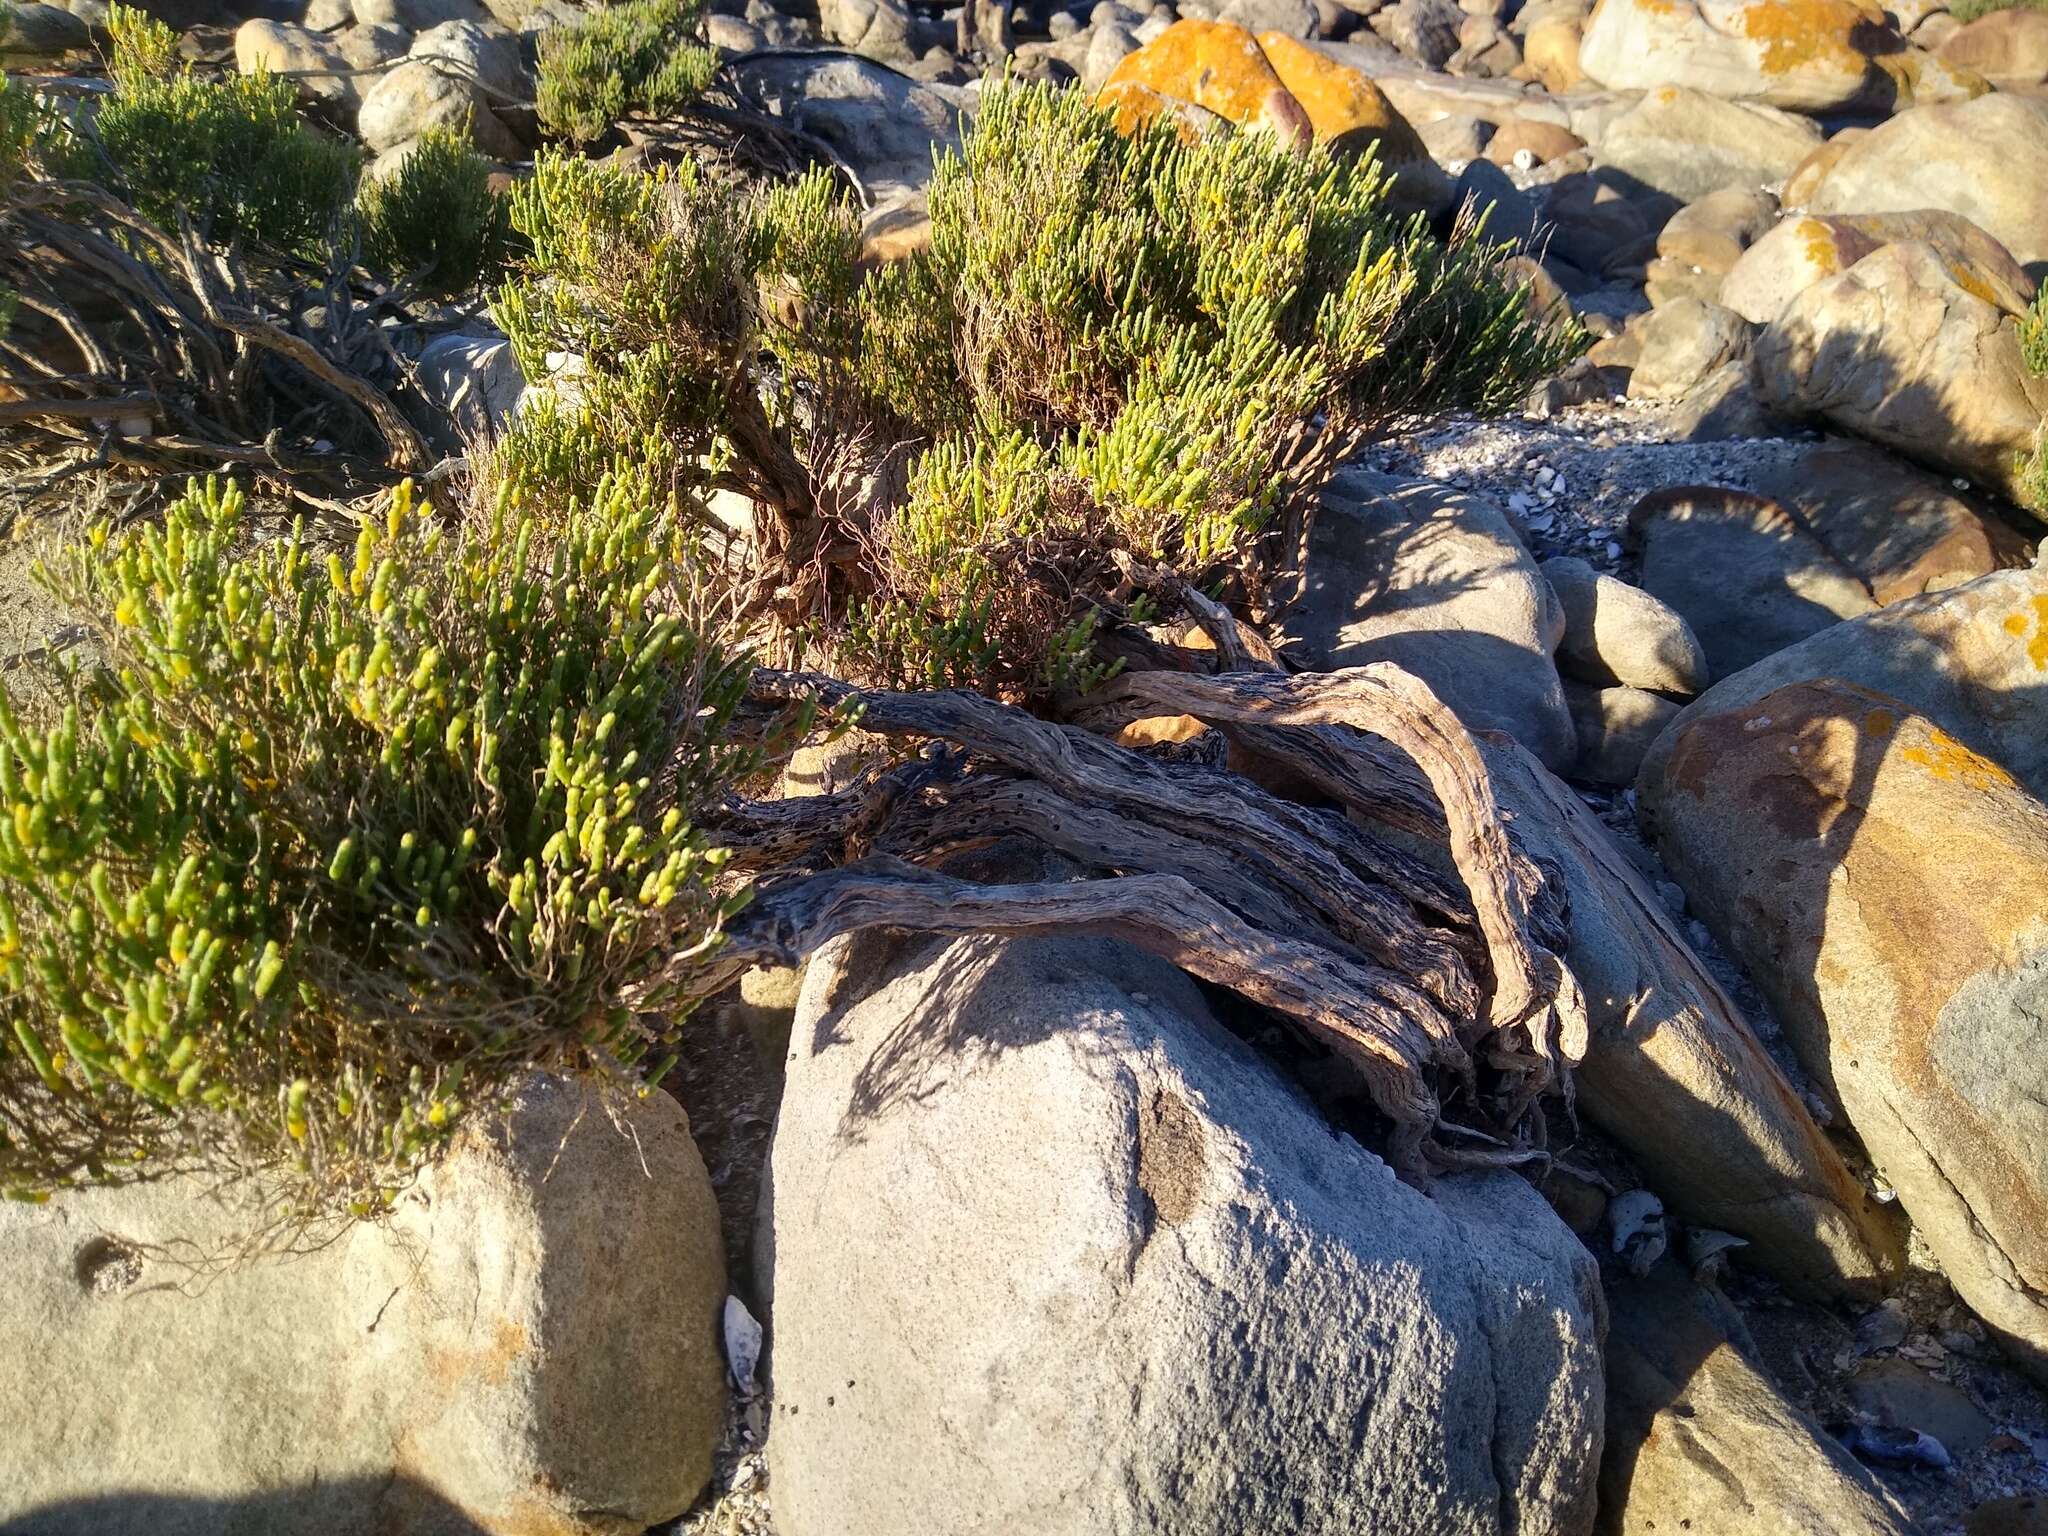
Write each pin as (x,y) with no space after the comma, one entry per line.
(1415,983)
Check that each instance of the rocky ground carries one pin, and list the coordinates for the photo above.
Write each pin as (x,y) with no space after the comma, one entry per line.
(1751,581)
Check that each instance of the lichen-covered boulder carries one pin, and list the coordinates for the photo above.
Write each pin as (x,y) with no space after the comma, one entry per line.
(1802,251)
(1809,55)
(1888,889)
(1985,159)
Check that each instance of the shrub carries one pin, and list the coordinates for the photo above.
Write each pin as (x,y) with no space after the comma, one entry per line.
(1970,10)
(231,154)
(436,217)
(637,56)
(333,845)
(1114,346)
(2033,469)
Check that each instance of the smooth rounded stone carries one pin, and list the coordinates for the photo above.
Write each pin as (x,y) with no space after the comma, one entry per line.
(1985,159)
(1424,30)
(1434,580)
(2008,48)
(31,29)
(1590,220)
(1452,140)
(1898,350)
(416,15)
(2024,1514)
(1683,341)
(1971,658)
(1674,1073)
(1898,1392)
(372,47)
(1550,51)
(474,381)
(1511,217)
(1615,726)
(1295,18)
(733,34)
(1902,530)
(415,96)
(1486,50)
(1887,887)
(1700,1440)
(1809,247)
(883,124)
(481,53)
(1723,407)
(1108,46)
(1807,55)
(1526,144)
(529,1343)
(277,48)
(1711,233)
(1688,143)
(1616,633)
(1054,1252)
(882,30)
(1748,577)
(1807,176)
(327,15)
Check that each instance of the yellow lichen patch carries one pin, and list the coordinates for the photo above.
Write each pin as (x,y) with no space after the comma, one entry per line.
(1133,105)
(1210,63)
(1948,759)
(1818,237)
(1341,103)
(1799,34)
(1970,282)
(1880,723)
(2037,648)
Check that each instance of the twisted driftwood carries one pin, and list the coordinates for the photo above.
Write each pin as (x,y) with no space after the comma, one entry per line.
(1430,988)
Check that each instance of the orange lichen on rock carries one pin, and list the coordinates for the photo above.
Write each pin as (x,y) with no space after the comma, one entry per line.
(2037,648)
(1210,63)
(1794,34)
(1342,104)
(1946,758)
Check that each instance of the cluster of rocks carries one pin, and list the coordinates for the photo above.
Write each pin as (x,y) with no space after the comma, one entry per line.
(1046,1242)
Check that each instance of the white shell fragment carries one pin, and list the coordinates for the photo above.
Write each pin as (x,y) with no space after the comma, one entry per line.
(742,1344)
(1636,1220)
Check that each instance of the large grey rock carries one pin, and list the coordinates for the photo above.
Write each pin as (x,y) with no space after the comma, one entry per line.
(1683,343)
(482,53)
(1899,350)
(1802,251)
(417,95)
(1615,726)
(417,15)
(1973,658)
(1056,1253)
(475,381)
(528,1345)
(1688,144)
(323,69)
(884,124)
(1616,633)
(1902,530)
(1809,55)
(1985,159)
(883,30)
(1888,889)
(1746,576)
(1700,1440)
(1674,1073)
(1413,572)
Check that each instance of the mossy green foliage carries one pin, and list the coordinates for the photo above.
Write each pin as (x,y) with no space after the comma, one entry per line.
(1970,10)
(436,218)
(335,843)
(229,153)
(635,56)
(2033,469)
(1114,344)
